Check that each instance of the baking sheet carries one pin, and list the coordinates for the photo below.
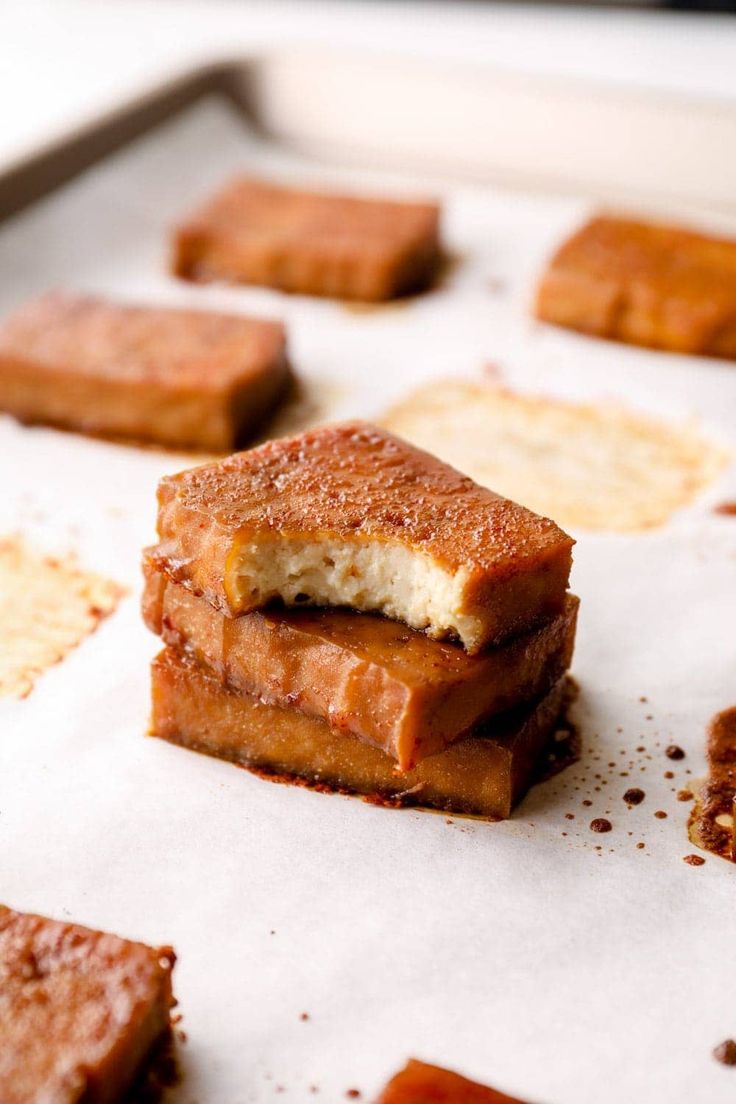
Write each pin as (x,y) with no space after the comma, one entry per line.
(521,956)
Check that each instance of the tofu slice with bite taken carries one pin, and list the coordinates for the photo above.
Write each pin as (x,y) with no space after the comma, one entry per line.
(349,515)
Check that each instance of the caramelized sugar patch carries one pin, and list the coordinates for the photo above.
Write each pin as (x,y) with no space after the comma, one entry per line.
(48,607)
(597,466)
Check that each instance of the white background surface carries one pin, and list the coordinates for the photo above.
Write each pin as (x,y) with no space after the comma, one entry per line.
(524,958)
(62,61)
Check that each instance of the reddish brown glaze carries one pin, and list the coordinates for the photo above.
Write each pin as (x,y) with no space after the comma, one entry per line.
(420,1083)
(345,247)
(80,1010)
(483,775)
(353,483)
(182,378)
(397,689)
(649,284)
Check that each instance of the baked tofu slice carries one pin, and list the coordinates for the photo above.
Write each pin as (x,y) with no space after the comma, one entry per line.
(344,247)
(79,1010)
(483,775)
(420,1083)
(180,378)
(650,284)
(391,686)
(348,515)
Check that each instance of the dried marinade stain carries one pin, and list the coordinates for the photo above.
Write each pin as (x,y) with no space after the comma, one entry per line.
(49,605)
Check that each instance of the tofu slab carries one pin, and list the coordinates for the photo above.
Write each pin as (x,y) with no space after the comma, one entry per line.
(650,284)
(348,515)
(421,1083)
(388,685)
(483,775)
(79,1010)
(345,247)
(180,378)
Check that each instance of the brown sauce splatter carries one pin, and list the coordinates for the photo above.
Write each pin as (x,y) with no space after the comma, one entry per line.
(600,824)
(725,1053)
(711,824)
(674,752)
(726,508)
(634,796)
(660,814)
(693,860)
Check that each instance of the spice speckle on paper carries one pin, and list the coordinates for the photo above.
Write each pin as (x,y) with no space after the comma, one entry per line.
(49,606)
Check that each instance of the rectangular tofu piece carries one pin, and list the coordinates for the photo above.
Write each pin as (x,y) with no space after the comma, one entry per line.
(348,515)
(483,775)
(420,1083)
(80,1010)
(344,247)
(650,284)
(388,685)
(179,378)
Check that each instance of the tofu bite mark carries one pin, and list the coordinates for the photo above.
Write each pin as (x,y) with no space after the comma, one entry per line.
(345,247)
(348,515)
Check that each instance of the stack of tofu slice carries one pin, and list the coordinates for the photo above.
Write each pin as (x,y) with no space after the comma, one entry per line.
(345,611)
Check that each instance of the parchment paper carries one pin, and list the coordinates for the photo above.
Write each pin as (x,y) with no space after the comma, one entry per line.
(521,956)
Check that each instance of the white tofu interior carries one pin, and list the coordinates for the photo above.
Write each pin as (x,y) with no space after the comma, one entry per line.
(371,576)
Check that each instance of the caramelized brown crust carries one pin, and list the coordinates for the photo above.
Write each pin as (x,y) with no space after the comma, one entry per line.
(344,247)
(353,484)
(483,775)
(420,1083)
(390,686)
(660,286)
(712,823)
(79,1010)
(182,378)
